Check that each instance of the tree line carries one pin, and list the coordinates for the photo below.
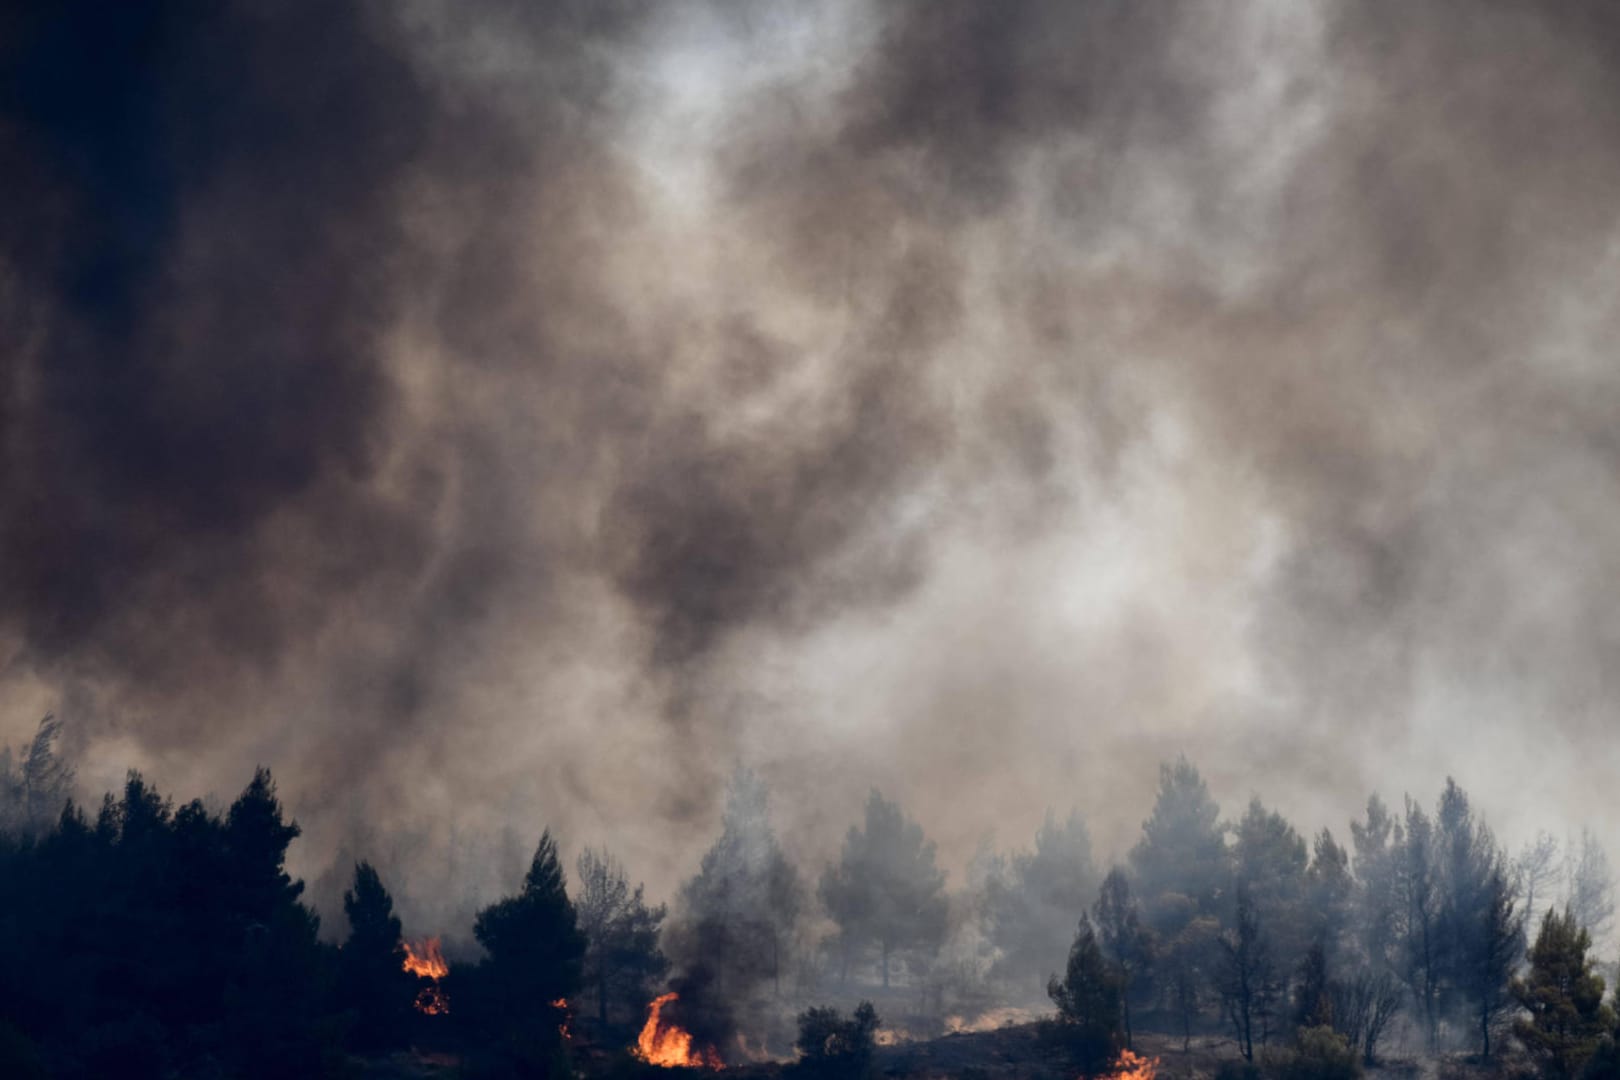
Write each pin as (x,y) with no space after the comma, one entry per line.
(169,939)
(1321,951)
(152,941)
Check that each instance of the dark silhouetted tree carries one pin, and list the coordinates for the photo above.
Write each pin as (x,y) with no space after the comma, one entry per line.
(885,889)
(1478,922)
(1423,958)
(162,942)
(1313,1001)
(1269,868)
(1123,938)
(374,986)
(1089,1023)
(274,999)
(1248,981)
(1329,899)
(831,1046)
(1185,967)
(622,958)
(535,952)
(256,840)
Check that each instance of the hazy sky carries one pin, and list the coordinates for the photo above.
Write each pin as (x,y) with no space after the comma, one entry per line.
(496,415)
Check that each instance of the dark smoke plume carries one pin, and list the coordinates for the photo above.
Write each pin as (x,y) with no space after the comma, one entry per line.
(495,414)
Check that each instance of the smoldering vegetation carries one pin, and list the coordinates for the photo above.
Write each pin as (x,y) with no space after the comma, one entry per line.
(151,941)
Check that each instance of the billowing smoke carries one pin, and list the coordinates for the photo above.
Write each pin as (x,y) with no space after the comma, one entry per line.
(492,415)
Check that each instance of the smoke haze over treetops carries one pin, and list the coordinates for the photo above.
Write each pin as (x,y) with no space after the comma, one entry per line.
(493,414)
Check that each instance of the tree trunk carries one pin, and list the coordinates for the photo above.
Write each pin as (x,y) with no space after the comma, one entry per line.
(1125,1008)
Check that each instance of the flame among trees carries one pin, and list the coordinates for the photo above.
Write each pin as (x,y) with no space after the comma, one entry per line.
(1308,948)
(426,961)
(1133,1066)
(663,1042)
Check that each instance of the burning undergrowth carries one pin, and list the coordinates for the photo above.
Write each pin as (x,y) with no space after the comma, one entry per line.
(687,1025)
(425,960)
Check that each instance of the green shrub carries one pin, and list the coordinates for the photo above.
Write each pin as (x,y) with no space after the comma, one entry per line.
(830,1046)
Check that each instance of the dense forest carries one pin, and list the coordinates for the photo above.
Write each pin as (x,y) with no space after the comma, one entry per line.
(150,940)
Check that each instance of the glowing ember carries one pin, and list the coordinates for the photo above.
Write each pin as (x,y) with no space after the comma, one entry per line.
(427,962)
(663,1042)
(561,1005)
(1134,1067)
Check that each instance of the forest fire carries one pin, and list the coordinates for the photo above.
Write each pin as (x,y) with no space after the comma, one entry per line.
(426,961)
(1132,1066)
(664,1042)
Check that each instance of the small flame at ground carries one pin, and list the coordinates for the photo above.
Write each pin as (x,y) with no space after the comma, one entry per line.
(424,960)
(989,1020)
(663,1042)
(561,1004)
(1132,1066)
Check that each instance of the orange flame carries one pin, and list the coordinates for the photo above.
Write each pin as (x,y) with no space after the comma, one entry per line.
(665,1043)
(427,962)
(1134,1067)
(561,1005)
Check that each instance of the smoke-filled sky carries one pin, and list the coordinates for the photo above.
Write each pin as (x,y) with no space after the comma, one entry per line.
(493,415)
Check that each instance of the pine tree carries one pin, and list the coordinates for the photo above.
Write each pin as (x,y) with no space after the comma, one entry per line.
(1270,863)
(1122,936)
(622,958)
(1478,924)
(1421,941)
(1181,862)
(885,889)
(1563,994)
(374,984)
(256,840)
(738,913)
(1329,896)
(1089,1015)
(533,940)
(1032,899)
(535,951)
(1248,977)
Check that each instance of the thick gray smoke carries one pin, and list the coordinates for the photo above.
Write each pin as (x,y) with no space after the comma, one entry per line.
(492,415)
